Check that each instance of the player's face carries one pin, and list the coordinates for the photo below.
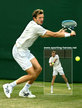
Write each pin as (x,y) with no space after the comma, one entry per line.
(53,54)
(39,19)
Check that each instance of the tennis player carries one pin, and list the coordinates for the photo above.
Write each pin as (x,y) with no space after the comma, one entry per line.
(57,68)
(25,58)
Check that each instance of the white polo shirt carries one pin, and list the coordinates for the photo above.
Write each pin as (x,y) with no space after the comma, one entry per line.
(29,35)
(57,64)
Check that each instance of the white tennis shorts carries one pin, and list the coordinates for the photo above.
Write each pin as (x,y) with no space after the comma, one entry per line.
(22,57)
(58,70)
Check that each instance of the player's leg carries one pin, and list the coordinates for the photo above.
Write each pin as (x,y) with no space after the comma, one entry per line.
(61,72)
(8,87)
(53,79)
(66,80)
(37,70)
(25,91)
(52,83)
(34,71)
(23,59)
(31,75)
(64,77)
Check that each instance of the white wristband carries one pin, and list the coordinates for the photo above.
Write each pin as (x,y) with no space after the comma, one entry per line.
(67,34)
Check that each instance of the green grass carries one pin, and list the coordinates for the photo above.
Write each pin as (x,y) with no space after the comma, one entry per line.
(59,89)
(42,100)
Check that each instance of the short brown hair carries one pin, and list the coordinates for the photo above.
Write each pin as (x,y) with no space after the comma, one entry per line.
(53,51)
(37,12)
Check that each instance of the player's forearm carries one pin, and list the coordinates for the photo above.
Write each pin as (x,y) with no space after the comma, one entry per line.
(53,34)
(58,34)
(55,60)
(62,34)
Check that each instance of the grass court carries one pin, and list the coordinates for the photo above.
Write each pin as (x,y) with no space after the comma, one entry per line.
(62,97)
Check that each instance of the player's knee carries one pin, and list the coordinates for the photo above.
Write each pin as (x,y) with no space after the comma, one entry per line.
(33,75)
(39,69)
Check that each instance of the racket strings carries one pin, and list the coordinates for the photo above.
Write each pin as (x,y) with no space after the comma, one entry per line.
(69,24)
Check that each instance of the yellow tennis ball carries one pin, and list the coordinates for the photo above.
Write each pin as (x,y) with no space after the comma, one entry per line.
(77,58)
(53,63)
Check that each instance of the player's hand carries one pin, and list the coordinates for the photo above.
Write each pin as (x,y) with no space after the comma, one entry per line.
(73,33)
(51,64)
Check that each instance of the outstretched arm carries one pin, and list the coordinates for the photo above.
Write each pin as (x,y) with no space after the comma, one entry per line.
(60,33)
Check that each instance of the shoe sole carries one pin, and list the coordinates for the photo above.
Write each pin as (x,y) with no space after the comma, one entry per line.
(32,97)
(27,96)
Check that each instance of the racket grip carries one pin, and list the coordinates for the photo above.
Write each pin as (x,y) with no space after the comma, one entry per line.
(70,29)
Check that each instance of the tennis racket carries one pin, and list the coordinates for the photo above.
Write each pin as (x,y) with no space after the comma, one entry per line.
(69,24)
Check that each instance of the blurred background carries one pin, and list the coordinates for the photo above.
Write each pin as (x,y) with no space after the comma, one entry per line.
(15,15)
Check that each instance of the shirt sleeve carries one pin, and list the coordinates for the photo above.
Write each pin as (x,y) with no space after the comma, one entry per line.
(40,30)
(49,60)
(57,57)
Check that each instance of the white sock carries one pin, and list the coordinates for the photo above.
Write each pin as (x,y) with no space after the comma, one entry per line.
(26,87)
(68,85)
(51,88)
(13,84)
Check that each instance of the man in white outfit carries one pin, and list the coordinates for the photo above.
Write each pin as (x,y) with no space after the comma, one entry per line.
(25,58)
(57,68)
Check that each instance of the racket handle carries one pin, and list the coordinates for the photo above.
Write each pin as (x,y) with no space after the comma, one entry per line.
(70,29)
